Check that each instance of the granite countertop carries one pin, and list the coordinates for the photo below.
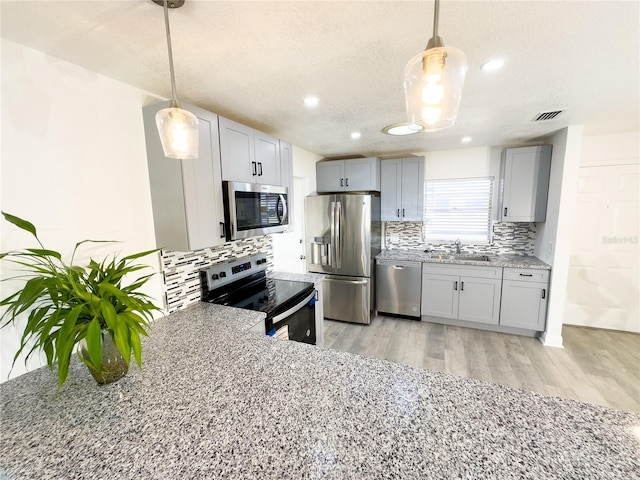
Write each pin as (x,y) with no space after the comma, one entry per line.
(495,260)
(216,401)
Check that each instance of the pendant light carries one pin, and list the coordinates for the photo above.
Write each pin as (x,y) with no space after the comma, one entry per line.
(177,127)
(433,82)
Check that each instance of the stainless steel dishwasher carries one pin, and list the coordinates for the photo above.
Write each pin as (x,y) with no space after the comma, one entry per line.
(398,287)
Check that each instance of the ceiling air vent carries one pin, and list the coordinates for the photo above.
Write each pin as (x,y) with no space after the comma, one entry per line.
(544,116)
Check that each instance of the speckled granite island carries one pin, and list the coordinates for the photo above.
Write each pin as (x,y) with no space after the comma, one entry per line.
(217,401)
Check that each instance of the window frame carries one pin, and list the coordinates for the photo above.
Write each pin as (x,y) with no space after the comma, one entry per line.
(429,210)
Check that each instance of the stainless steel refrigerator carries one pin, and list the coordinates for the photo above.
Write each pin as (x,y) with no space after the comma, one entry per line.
(342,239)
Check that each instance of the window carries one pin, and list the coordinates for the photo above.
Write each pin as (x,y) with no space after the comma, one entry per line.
(458,209)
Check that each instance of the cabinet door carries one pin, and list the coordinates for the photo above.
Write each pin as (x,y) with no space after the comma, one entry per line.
(390,190)
(440,295)
(267,149)
(524,305)
(286,174)
(330,176)
(480,300)
(237,150)
(412,189)
(526,184)
(186,195)
(362,174)
(203,190)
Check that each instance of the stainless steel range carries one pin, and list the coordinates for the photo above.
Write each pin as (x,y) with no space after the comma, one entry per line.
(243,283)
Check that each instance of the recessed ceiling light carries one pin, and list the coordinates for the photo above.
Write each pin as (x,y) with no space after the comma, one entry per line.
(355,135)
(466,139)
(401,129)
(492,65)
(311,102)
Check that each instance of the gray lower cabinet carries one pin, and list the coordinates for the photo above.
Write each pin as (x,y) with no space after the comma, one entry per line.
(186,195)
(524,298)
(458,292)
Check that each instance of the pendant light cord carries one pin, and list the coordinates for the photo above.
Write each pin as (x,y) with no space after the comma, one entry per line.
(174,97)
(436,12)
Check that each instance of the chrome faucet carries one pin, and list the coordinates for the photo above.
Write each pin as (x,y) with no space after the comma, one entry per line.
(457,244)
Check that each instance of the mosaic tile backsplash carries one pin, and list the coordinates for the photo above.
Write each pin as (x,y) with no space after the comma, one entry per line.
(181,270)
(508,238)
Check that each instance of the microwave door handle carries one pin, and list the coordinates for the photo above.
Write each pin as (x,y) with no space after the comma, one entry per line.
(285,210)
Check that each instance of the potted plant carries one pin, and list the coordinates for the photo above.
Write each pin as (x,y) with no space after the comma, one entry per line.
(68,304)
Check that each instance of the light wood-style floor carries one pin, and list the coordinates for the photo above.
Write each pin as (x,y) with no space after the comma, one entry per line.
(595,366)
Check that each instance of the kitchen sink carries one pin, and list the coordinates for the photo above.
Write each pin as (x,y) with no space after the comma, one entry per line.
(461,256)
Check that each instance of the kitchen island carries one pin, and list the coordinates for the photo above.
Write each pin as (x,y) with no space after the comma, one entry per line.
(214,400)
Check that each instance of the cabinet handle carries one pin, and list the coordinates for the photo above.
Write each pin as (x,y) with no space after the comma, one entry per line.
(526,275)
(254,168)
(222,235)
(455,285)
(403,212)
(342,182)
(505,211)
(461,286)
(398,213)
(347,182)
(544,293)
(259,169)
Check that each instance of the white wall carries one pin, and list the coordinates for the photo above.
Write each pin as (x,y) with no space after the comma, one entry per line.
(73,162)
(465,163)
(553,239)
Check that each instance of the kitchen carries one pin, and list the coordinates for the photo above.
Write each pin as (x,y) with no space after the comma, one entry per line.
(40,91)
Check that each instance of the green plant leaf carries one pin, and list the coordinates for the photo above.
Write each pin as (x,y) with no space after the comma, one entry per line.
(121,338)
(20,223)
(109,314)
(94,343)
(65,343)
(43,252)
(141,254)
(137,347)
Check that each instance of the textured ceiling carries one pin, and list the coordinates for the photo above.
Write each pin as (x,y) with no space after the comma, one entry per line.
(254,62)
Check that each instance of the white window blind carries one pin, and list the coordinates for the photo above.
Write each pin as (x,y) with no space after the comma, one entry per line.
(458,209)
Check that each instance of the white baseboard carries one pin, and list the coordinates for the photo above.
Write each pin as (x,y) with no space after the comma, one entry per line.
(551,340)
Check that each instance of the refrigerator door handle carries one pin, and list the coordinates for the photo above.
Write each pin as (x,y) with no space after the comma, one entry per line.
(338,220)
(333,232)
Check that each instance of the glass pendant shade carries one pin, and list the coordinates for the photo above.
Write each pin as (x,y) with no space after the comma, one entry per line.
(433,82)
(178,130)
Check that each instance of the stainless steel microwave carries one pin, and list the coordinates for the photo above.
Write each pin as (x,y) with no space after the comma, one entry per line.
(251,209)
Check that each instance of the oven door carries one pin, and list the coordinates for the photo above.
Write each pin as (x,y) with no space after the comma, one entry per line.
(297,323)
(253,209)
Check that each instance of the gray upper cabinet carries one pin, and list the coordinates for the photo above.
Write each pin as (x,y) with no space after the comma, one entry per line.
(248,155)
(286,171)
(186,195)
(524,180)
(402,189)
(351,175)
(524,298)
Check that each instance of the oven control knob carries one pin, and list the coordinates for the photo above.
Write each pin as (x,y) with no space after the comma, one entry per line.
(223,274)
(214,276)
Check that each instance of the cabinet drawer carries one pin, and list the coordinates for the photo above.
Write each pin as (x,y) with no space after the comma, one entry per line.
(462,270)
(526,274)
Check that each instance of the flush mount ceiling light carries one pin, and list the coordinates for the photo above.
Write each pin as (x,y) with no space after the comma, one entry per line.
(177,127)
(311,102)
(400,129)
(433,82)
(492,65)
